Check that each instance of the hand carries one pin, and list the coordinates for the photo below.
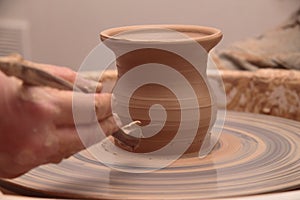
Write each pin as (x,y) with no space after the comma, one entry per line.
(37,125)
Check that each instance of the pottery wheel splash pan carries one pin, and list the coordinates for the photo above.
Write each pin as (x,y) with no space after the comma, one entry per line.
(255,154)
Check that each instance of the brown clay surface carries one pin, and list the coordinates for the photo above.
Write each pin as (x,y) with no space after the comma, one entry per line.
(151,94)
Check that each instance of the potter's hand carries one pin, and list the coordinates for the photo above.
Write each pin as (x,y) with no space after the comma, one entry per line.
(37,126)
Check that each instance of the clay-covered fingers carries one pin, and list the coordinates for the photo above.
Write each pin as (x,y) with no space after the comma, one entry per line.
(60,71)
(74,139)
(79,108)
(69,75)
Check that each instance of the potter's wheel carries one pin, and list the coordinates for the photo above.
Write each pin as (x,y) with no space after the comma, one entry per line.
(256,154)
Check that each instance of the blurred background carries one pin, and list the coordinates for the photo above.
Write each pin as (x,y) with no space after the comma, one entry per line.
(63,32)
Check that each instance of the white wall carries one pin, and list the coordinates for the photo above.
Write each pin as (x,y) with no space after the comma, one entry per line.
(63,32)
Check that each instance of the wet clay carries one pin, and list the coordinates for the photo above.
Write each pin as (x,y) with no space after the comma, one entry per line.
(130,53)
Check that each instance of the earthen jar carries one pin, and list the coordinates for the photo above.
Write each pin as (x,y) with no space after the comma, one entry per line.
(130,53)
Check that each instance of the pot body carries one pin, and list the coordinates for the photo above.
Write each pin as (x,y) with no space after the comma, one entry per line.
(154,56)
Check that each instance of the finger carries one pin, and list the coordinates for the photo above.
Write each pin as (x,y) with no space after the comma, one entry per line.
(63,72)
(80,108)
(74,139)
(69,75)
(67,107)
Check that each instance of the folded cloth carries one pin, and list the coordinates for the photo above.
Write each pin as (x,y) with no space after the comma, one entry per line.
(278,48)
(265,91)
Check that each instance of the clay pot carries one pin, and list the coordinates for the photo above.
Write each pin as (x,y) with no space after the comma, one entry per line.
(146,44)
